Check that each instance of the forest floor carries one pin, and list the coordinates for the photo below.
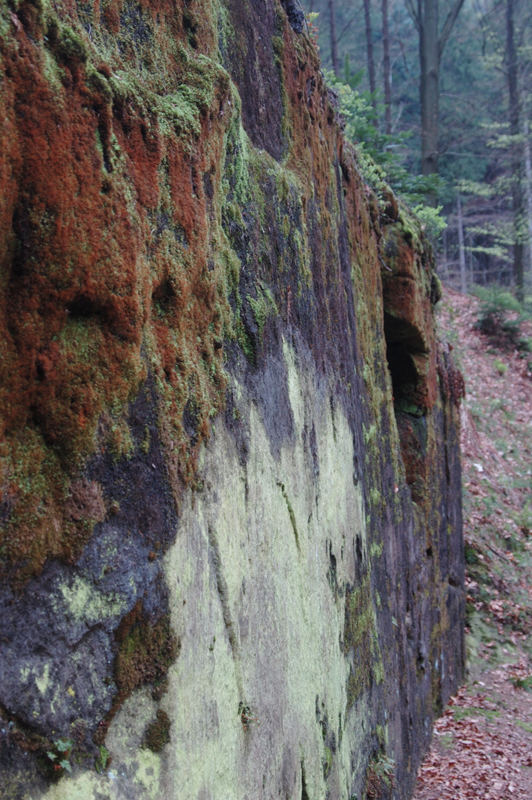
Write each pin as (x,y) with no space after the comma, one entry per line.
(482,745)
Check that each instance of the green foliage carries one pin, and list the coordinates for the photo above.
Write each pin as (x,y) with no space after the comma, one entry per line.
(59,755)
(523,683)
(470,554)
(475,711)
(466,186)
(500,366)
(500,318)
(477,150)
(431,218)
(102,760)
(381,156)
(379,776)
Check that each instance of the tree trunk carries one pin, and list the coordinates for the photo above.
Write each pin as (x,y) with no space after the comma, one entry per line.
(469,251)
(517,185)
(432,43)
(334,40)
(528,194)
(445,264)
(429,59)
(370,56)
(387,70)
(461,248)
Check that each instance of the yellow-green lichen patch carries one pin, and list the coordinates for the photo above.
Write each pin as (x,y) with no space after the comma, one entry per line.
(43,681)
(361,641)
(83,603)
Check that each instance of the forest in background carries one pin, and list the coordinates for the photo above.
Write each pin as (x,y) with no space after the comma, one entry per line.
(436,96)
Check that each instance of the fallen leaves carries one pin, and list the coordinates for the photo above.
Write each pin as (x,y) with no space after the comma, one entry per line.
(482,745)
(489,755)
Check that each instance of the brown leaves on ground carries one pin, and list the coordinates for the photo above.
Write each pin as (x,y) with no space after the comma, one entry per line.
(482,745)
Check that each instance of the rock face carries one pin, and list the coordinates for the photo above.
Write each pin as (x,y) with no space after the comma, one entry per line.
(230,483)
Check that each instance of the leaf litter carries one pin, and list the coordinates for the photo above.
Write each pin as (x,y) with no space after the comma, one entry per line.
(482,745)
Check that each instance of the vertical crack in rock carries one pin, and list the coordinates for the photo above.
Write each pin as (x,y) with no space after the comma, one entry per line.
(223,594)
(291,514)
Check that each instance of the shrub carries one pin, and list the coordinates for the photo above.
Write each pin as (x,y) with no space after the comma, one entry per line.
(500,318)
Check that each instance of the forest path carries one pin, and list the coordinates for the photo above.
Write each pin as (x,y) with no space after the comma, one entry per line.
(482,746)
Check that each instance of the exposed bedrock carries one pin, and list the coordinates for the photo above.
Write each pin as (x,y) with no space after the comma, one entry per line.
(230,511)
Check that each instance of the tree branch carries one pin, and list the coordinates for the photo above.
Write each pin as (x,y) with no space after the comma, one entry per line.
(413,13)
(449,24)
(347,26)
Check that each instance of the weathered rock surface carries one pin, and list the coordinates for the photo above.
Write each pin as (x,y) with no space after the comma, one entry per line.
(230,483)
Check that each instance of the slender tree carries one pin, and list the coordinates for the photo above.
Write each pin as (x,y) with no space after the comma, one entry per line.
(370,55)
(528,193)
(461,245)
(386,69)
(333,37)
(517,183)
(432,41)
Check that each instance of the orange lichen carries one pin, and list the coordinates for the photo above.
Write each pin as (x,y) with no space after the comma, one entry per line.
(91,271)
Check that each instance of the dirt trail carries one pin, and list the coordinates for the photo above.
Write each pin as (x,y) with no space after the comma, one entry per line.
(482,746)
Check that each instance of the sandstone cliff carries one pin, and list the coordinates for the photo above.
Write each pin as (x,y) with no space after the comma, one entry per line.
(230,483)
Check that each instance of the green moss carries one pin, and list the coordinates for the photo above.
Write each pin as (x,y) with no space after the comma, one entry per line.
(146,442)
(102,760)
(375,497)
(278,48)
(32,472)
(145,652)
(202,80)
(327,761)
(157,734)
(98,83)
(376,549)
(360,641)
(475,711)
(226,32)
(278,55)
(236,183)
(67,44)
(263,306)
(436,289)
(245,341)
(370,432)
(410,227)
(379,778)
(382,735)
(378,671)
(182,112)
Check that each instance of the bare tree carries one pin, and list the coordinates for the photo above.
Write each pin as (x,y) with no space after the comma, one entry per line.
(370,55)
(517,182)
(333,37)
(461,245)
(432,41)
(386,69)
(528,193)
